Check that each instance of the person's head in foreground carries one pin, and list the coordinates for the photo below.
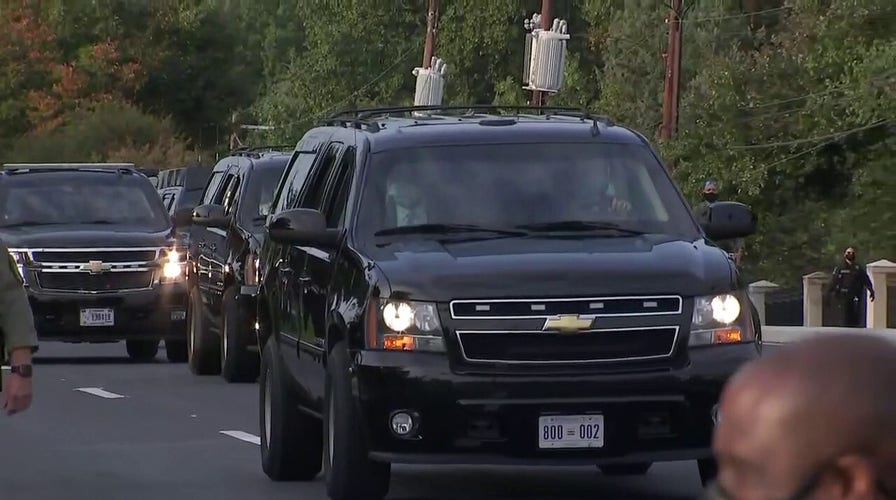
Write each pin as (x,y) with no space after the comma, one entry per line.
(815,420)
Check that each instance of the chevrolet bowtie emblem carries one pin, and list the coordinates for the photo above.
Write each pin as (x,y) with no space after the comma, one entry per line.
(567,323)
(96,267)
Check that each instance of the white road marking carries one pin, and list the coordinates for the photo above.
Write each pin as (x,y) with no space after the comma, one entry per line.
(96,391)
(243,436)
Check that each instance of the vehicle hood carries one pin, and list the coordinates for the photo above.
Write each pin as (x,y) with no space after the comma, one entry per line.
(83,236)
(553,267)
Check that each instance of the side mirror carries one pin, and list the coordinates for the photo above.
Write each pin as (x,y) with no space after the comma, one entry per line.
(210,216)
(725,220)
(303,227)
(183,217)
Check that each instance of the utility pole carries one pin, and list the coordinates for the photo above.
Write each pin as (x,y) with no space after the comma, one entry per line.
(672,78)
(432,28)
(539,98)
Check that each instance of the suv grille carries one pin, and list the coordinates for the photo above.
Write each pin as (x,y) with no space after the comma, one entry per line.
(600,306)
(88,255)
(85,282)
(585,347)
(97,270)
(511,331)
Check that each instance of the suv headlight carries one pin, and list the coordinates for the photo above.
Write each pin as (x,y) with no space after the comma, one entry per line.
(401,325)
(173,264)
(18,256)
(721,319)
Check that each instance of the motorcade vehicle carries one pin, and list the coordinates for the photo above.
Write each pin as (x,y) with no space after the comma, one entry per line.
(491,285)
(228,225)
(97,252)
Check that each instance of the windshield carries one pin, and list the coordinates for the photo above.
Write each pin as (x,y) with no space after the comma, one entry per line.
(527,186)
(81,198)
(257,201)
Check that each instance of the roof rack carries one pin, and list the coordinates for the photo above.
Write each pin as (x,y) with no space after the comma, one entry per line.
(67,166)
(118,168)
(256,151)
(364,115)
(358,123)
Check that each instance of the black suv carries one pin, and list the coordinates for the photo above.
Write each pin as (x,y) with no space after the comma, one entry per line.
(181,189)
(97,251)
(447,285)
(223,279)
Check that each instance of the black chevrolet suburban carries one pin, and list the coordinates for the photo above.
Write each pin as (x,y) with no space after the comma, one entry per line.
(491,286)
(95,247)
(228,225)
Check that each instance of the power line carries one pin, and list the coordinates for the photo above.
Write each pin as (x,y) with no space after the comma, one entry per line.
(398,61)
(879,78)
(812,139)
(736,16)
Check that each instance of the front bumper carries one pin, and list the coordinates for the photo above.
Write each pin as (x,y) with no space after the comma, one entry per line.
(159,313)
(661,415)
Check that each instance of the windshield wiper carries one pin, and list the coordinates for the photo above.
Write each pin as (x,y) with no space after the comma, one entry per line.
(98,221)
(447,228)
(578,225)
(32,223)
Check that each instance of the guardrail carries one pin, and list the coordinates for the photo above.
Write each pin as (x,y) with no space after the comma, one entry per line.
(776,335)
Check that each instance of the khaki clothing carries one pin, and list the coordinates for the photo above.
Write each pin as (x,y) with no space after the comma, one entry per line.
(16,320)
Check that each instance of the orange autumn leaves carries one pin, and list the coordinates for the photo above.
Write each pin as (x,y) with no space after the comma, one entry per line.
(47,84)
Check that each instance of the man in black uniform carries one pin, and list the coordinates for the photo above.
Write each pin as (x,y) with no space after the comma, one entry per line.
(848,283)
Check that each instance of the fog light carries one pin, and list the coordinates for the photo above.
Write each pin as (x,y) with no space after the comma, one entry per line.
(714,413)
(403,424)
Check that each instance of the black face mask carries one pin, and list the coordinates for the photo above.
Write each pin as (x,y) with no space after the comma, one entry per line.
(710,197)
(850,257)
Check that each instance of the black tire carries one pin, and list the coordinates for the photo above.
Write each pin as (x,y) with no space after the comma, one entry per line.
(625,469)
(176,351)
(202,344)
(708,469)
(142,350)
(238,363)
(350,474)
(292,444)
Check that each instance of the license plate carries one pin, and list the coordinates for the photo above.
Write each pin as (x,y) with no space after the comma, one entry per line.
(178,315)
(97,317)
(571,431)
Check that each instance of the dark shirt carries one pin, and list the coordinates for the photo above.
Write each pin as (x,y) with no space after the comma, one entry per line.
(850,279)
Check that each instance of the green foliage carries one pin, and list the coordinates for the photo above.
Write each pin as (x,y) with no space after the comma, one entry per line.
(784,101)
(110,132)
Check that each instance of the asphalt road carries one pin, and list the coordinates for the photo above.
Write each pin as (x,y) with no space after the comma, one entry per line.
(104,428)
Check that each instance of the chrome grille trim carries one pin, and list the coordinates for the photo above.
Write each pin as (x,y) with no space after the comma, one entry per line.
(541,305)
(66,267)
(674,343)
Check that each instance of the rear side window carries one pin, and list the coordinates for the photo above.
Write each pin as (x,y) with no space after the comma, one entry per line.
(294,181)
(73,198)
(213,183)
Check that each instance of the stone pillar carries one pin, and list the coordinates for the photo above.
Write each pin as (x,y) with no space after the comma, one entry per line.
(813,295)
(882,273)
(758,291)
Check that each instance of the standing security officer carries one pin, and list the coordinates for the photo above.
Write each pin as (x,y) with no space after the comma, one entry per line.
(848,282)
(18,337)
